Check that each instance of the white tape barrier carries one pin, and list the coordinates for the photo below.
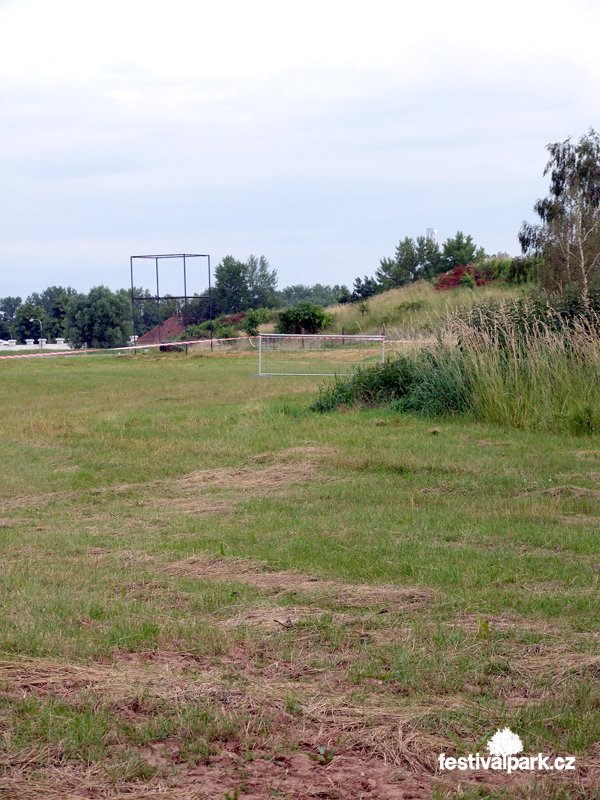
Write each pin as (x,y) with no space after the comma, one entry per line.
(123,349)
(55,353)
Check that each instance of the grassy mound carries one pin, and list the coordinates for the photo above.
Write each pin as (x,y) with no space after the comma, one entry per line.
(415,309)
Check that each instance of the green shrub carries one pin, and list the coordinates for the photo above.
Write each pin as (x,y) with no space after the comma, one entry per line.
(220,330)
(442,383)
(254,318)
(432,382)
(305,317)
(251,323)
(415,305)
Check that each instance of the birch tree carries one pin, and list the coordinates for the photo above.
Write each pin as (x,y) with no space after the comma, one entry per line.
(567,238)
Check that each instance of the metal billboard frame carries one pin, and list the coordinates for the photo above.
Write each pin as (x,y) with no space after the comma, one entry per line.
(158,297)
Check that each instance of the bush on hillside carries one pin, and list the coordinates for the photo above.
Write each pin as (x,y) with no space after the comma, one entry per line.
(222,328)
(254,318)
(471,275)
(305,317)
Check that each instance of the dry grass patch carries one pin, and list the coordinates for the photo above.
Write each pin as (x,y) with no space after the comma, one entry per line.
(579,519)
(36,501)
(274,694)
(193,505)
(195,492)
(252,573)
(366,741)
(248,479)
(302,452)
(269,618)
(566,490)
(6,522)
(272,717)
(156,674)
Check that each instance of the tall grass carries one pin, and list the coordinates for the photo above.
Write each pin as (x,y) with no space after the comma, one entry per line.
(536,376)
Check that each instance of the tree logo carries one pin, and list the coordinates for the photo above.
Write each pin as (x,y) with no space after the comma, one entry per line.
(505,743)
(503,749)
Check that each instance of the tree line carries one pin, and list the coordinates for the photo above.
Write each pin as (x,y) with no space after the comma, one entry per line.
(414,260)
(561,252)
(105,318)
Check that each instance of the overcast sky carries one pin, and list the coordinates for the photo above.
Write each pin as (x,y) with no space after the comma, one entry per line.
(315,133)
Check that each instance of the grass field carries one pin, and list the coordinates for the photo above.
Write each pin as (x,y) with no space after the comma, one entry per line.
(209,591)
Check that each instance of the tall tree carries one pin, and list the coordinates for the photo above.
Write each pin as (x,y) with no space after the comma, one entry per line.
(321,294)
(145,313)
(99,319)
(400,270)
(50,295)
(429,258)
(412,261)
(460,252)
(262,282)
(53,301)
(8,307)
(239,285)
(231,293)
(567,239)
(363,289)
(22,326)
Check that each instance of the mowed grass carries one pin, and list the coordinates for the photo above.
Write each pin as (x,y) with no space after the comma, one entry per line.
(202,581)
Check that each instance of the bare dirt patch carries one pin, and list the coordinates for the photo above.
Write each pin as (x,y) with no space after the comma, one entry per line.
(348,594)
(295,777)
(292,777)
